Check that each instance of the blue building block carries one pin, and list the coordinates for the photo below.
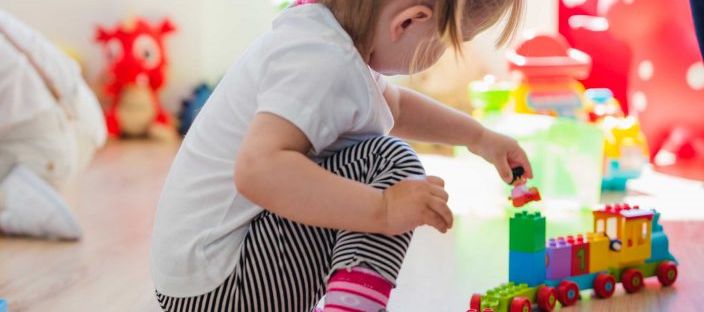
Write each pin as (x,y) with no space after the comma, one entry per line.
(585,281)
(660,244)
(3,305)
(615,178)
(527,267)
(559,258)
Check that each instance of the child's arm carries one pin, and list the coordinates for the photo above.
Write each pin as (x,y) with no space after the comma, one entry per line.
(419,117)
(272,171)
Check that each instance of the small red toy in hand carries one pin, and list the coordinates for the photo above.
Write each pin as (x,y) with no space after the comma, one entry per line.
(521,193)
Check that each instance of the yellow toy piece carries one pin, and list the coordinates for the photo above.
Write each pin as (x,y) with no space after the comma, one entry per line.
(623,137)
(600,256)
(552,98)
(628,230)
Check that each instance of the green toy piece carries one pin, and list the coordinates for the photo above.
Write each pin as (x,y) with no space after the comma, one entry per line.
(499,298)
(527,232)
(489,96)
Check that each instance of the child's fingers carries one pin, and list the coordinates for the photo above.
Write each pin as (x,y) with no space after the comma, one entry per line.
(504,170)
(523,159)
(434,220)
(439,191)
(440,208)
(435,180)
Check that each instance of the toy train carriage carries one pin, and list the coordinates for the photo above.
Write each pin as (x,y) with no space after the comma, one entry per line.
(627,245)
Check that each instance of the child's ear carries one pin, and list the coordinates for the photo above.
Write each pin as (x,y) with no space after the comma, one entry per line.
(409,16)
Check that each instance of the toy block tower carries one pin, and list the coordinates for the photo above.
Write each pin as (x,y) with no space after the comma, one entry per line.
(526,260)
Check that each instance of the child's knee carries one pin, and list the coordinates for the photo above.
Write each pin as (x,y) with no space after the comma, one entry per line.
(397,160)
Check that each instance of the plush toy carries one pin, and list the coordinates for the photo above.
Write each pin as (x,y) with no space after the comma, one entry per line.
(137,63)
(51,125)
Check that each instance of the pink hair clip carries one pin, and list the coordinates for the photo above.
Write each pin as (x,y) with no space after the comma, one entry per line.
(300,2)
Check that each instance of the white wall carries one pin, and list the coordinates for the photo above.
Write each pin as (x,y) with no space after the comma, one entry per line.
(211,33)
(541,16)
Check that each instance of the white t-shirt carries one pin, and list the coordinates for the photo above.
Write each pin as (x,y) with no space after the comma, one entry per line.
(305,70)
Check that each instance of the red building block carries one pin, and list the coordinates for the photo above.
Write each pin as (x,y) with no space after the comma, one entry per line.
(580,254)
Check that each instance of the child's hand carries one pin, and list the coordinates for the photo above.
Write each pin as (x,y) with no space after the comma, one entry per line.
(414,202)
(503,152)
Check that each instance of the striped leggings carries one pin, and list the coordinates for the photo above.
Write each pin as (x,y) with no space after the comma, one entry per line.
(284,265)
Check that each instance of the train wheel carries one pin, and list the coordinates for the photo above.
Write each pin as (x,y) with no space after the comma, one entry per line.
(547,298)
(476,302)
(567,293)
(667,273)
(632,280)
(520,304)
(604,285)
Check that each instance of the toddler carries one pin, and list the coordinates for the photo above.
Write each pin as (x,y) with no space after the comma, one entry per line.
(288,186)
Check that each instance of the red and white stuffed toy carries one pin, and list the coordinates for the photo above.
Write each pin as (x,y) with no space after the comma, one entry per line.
(136,72)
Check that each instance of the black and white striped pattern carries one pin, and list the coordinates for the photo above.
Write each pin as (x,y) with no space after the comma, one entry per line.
(284,265)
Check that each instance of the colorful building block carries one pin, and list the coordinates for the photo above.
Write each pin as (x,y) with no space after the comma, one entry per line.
(614,252)
(527,267)
(660,244)
(585,281)
(559,258)
(600,256)
(527,232)
(499,298)
(580,254)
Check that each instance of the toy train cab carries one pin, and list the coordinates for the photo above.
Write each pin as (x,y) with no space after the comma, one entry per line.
(627,245)
(628,231)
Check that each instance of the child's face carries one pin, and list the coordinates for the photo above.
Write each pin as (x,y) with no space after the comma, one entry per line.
(405,39)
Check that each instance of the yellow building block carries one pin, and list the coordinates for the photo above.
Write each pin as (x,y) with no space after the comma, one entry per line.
(600,256)
(635,238)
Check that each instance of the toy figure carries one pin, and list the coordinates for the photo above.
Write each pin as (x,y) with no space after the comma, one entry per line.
(137,62)
(521,193)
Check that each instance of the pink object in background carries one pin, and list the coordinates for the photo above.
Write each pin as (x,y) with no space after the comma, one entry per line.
(299,2)
(585,29)
(666,81)
(546,55)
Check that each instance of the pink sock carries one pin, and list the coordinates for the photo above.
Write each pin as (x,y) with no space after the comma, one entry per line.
(358,289)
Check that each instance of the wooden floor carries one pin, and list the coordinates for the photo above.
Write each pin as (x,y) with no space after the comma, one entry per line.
(108,270)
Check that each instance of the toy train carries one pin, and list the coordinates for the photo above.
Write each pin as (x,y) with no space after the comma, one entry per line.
(628,244)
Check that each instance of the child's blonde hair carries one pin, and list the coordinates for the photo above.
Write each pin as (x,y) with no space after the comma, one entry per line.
(358,18)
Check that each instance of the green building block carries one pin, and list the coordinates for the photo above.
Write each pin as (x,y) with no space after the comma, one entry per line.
(499,298)
(527,232)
